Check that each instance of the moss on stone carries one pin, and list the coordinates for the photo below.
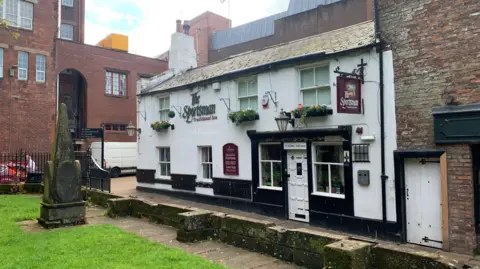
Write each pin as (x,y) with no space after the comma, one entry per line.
(401,258)
(246,226)
(195,220)
(195,236)
(119,207)
(99,198)
(348,254)
(311,241)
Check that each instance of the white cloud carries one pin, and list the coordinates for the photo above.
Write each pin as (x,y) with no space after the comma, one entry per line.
(151,34)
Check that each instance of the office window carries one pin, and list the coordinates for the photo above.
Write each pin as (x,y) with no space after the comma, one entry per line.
(315,86)
(22,65)
(67,3)
(248,94)
(66,31)
(271,166)
(115,84)
(1,61)
(164,108)
(113,127)
(328,170)
(206,162)
(40,68)
(164,162)
(17,13)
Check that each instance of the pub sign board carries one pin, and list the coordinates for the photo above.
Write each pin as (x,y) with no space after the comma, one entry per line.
(349,95)
(230,159)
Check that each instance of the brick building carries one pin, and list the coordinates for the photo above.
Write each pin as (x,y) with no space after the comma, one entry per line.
(97,83)
(437,78)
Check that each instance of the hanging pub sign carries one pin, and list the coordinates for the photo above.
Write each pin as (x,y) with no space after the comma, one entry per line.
(197,112)
(230,159)
(349,95)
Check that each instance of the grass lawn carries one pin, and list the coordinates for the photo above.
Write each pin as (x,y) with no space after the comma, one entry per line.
(102,246)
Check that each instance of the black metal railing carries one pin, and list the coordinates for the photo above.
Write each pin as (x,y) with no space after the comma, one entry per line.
(29,167)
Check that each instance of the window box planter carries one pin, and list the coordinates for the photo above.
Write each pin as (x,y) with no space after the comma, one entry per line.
(243,116)
(311,111)
(161,126)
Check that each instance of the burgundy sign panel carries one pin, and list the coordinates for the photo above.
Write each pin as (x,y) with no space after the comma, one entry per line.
(349,95)
(230,160)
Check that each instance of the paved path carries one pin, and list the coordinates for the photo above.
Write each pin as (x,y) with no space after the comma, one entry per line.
(211,250)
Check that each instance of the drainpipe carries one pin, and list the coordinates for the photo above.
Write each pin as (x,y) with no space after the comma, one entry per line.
(383,177)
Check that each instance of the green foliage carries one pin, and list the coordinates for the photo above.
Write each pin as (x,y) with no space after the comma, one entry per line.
(243,116)
(160,125)
(4,25)
(99,246)
(309,111)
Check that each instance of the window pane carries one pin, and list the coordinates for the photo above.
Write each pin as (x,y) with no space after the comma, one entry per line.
(324,96)
(168,154)
(329,154)
(40,67)
(115,84)
(309,97)
(338,181)
(22,65)
(11,12)
(242,89)
(26,15)
(321,171)
(252,87)
(163,169)
(244,103)
(321,76)
(1,9)
(204,155)
(253,103)
(1,58)
(210,154)
(108,83)
(108,127)
(206,171)
(277,174)
(68,3)
(123,85)
(116,127)
(164,115)
(66,31)
(123,127)
(167,103)
(307,77)
(266,174)
(271,152)
(168,169)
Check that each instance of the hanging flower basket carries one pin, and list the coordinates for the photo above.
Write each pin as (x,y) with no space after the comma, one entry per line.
(245,115)
(160,125)
(311,111)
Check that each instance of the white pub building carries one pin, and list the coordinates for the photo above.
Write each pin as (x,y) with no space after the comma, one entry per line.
(303,130)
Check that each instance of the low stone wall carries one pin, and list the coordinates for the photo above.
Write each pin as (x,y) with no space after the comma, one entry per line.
(312,249)
(12,188)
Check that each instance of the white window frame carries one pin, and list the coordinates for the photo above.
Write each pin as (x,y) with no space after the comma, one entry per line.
(315,86)
(247,81)
(163,111)
(115,88)
(67,3)
(1,63)
(260,161)
(314,171)
(40,69)
(20,68)
(167,162)
(62,36)
(207,163)
(18,15)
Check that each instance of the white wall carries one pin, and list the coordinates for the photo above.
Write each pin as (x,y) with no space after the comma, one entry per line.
(186,137)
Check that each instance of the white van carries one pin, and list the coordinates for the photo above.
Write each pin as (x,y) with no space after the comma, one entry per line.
(120,157)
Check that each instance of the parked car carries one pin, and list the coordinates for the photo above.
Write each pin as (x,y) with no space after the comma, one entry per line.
(12,172)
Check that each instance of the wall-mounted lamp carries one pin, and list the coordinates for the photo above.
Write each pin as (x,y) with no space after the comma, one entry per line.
(132,129)
(11,71)
(283,119)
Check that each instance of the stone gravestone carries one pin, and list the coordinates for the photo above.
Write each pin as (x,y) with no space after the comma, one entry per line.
(62,202)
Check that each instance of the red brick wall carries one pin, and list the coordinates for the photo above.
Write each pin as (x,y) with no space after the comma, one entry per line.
(435,48)
(27,108)
(92,62)
(75,16)
(202,28)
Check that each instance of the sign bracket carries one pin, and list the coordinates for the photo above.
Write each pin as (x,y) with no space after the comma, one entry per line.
(358,73)
(225,100)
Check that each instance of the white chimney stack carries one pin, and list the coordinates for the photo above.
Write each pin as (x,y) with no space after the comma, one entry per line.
(182,56)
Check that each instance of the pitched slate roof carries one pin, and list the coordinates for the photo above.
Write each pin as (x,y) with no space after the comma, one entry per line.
(348,38)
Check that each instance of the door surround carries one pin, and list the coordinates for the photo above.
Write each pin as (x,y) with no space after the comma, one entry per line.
(400,156)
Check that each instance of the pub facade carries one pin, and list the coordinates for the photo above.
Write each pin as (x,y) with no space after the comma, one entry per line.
(304,130)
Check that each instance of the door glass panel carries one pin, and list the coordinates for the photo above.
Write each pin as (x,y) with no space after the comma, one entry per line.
(299,169)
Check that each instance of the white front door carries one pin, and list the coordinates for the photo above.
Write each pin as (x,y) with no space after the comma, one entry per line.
(423,202)
(298,185)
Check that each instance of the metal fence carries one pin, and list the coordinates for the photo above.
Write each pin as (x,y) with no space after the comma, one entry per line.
(29,167)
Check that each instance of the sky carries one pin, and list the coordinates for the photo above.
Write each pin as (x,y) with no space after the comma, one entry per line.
(150,23)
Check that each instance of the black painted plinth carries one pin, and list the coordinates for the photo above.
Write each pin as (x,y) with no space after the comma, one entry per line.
(60,215)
